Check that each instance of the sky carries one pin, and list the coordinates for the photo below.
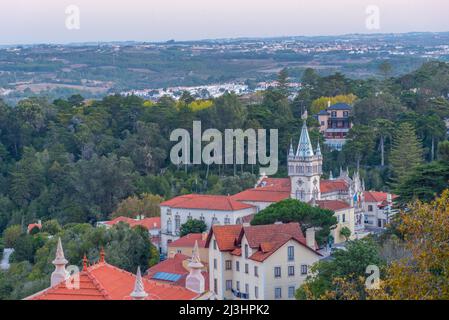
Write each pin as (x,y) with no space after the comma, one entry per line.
(46,21)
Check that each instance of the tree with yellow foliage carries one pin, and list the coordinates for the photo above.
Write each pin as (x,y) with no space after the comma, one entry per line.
(424,275)
(323,102)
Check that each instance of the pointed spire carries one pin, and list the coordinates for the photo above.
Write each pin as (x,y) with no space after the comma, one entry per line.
(139,289)
(195,261)
(304,146)
(331,176)
(60,274)
(318,150)
(291,153)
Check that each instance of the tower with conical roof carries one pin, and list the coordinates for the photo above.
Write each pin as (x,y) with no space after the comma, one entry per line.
(60,274)
(305,169)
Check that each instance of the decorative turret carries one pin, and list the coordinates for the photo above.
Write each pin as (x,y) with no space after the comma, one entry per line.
(60,274)
(305,169)
(139,289)
(291,153)
(195,280)
(331,175)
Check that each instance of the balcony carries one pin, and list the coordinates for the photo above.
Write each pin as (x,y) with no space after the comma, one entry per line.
(240,295)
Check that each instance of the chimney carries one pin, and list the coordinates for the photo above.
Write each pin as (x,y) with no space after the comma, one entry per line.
(310,238)
(60,274)
(204,236)
(195,280)
(389,198)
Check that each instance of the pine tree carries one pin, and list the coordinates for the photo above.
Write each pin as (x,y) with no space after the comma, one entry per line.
(406,154)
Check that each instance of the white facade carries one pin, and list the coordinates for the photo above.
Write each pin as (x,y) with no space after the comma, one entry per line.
(259,280)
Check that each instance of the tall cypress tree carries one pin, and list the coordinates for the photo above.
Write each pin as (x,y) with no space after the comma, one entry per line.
(406,154)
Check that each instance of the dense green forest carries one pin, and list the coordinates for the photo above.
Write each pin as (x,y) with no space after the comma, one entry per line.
(72,162)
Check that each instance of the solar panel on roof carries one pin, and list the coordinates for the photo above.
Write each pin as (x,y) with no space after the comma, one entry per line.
(172,277)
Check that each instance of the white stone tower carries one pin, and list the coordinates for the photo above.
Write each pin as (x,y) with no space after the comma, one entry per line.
(305,169)
(60,274)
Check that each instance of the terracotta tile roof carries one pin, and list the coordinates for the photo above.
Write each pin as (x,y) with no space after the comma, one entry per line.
(261,195)
(376,196)
(328,186)
(208,202)
(265,239)
(31,226)
(176,265)
(226,236)
(189,241)
(148,223)
(334,205)
(103,281)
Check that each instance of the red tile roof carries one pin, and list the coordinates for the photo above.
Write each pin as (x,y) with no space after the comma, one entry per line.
(376,196)
(208,202)
(265,239)
(188,241)
(103,281)
(261,195)
(31,226)
(147,223)
(334,205)
(328,186)
(175,265)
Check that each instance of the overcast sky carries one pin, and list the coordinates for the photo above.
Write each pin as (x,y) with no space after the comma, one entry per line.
(42,21)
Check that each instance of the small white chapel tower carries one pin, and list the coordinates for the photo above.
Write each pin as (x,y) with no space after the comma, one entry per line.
(195,280)
(305,169)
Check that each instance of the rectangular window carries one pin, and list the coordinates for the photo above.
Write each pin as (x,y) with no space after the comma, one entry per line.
(291,271)
(216,286)
(228,285)
(246,268)
(277,293)
(277,272)
(238,285)
(215,245)
(237,266)
(247,289)
(246,251)
(215,263)
(256,271)
(370,208)
(304,269)
(343,217)
(256,292)
(291,292)
(291,253)
(228,264)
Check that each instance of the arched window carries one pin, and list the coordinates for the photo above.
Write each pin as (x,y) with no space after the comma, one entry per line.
(215,220)
(202,218)
(227,220)
(177,223)
(169,226)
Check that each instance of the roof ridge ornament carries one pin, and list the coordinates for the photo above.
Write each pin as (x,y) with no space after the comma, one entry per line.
(139,288)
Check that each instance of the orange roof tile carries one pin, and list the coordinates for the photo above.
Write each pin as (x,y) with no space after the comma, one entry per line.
(188,241)
(334,205)
(328,186)
(147,223)
(225,236)
(376,196)
(208,202)
(103,281)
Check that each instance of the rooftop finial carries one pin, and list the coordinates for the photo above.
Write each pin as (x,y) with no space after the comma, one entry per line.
(318,149)
(60,274)
(195,280)
(139,289)
(291,152)
(102,255)
(85,262)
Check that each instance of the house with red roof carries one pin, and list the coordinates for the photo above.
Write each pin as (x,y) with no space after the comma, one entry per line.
(259,262)
(185,245)
(208,208)
(378,208)
(31,226)
(103,281)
